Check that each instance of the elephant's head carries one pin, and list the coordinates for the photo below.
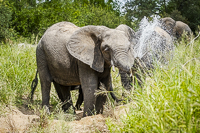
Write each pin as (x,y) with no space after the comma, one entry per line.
(168,24)
(95,45)
(181,27)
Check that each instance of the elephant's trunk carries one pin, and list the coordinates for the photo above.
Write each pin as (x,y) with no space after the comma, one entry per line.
(123,60)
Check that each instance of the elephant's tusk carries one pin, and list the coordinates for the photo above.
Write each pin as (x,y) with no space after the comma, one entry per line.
(117,75)
(113,67)
(131,74)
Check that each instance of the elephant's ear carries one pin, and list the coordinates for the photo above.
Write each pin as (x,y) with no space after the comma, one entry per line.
(128,31)
(84,45)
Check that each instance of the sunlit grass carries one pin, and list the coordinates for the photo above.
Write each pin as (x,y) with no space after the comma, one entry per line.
(17,68)
(169,100)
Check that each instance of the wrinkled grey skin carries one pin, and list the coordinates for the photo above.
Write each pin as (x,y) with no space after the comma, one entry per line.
(181,27)
(143,66)
(126,78)
(68,55)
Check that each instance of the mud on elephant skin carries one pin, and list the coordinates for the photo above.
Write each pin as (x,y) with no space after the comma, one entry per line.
(69,55)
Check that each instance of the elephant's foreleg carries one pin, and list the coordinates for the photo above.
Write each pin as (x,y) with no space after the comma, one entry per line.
(100,101)
(89,84)
(101,98)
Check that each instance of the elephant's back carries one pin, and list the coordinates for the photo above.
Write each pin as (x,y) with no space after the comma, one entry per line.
(164,35)
(60,62)
(180,26)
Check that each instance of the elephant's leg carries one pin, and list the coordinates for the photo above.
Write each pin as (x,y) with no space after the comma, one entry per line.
(58,90)
(138,80)
(64,95)
(80,99)
(101,98)
(45,77)
(67,100)
(100,101)
(89,84)
(45,88)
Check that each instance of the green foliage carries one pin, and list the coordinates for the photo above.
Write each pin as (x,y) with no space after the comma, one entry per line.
(169,101)
(137,9)
(5,17)
(180,10)
(189,9)
(30,18)
(176,15)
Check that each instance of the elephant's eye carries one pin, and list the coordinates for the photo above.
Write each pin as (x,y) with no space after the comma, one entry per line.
(129,48)
(106,48)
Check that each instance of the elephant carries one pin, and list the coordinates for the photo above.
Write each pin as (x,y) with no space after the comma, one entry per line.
(175,28)
(68,55)
(168,25)
(157,48)
(181,27)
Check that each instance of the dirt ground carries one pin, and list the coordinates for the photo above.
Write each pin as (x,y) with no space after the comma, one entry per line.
(19,120)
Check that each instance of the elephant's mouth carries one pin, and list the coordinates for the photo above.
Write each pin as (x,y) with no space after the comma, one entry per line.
(121,66)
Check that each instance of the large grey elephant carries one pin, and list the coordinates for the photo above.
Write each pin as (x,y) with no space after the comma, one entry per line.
(181,27)
(156,48)
(68,55)
(175,28)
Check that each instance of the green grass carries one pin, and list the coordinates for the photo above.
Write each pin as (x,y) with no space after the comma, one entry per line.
(17,68)
(170,99)
(168,102)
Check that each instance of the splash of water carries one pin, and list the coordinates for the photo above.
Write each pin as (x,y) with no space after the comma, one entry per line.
(149,44)
(144,33)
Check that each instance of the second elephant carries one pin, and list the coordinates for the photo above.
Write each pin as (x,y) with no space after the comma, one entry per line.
(180,28)
(157,48)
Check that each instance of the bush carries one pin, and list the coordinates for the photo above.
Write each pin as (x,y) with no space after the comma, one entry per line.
(5,17)
(31,20)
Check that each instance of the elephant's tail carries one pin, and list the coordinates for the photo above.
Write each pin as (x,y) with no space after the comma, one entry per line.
(34,85)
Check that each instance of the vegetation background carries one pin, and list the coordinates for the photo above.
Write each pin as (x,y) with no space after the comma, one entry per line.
(169,100)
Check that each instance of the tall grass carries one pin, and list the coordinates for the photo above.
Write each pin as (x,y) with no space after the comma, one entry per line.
(169,100)
(17,68)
